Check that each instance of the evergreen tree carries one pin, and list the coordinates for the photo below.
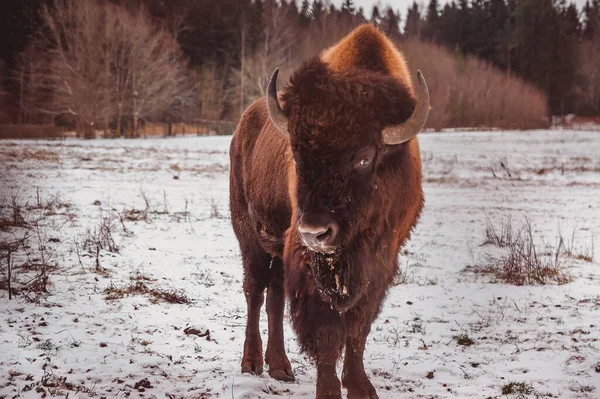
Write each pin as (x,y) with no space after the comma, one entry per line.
(547,53)
(412,28)
(305,14)
(591,13)
(361,14)
(571,22)
(348,7)
(499,22)
(390,24)
(432,21)
(375,16)
(317,10)
(449,25)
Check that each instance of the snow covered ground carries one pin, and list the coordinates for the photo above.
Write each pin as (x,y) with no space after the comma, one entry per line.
(107,326)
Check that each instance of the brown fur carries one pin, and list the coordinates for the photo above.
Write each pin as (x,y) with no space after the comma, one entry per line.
(366,47)
(337,106)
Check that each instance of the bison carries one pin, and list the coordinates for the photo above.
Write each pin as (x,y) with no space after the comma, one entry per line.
(325,188)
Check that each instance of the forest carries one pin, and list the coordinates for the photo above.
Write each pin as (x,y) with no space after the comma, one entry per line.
(121,64)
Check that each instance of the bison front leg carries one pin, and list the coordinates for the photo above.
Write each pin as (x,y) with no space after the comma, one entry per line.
(354,377)
(321,333)
(279,364)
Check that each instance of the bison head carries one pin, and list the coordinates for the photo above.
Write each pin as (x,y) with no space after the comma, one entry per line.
(342,126)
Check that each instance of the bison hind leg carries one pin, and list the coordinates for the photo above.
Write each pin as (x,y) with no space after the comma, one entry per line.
(256,277)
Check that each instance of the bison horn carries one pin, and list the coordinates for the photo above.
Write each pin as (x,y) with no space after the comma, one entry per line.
(399,134)
(275,112)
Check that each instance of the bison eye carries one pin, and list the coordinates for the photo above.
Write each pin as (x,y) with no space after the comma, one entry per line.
(363,159)
(363,163)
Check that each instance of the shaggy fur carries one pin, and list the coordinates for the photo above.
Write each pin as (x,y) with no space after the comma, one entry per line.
(337,105)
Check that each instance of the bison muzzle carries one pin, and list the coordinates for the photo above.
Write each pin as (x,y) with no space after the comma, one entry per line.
(325,189)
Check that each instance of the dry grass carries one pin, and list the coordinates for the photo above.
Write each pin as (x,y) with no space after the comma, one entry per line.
(27,251)
(501,236)
(138,287)
(517,388)
(101,237)
(464,340)
(55,385)
(523,263)
(12,213)
(568,247)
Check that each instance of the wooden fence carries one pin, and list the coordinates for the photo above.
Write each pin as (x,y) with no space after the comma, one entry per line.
(199,127)
(32,132)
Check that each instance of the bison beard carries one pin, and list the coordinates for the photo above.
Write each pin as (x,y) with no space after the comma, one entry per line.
(333,279)
(355,100)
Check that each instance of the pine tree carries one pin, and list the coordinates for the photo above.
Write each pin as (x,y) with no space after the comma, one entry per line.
(591,13)
(412,28)
(348,7)
(375,16)
(547,53)
(390,24)
(305,14)
(450,26)
(499,20)
(317,10)
(360,14)
(432,21)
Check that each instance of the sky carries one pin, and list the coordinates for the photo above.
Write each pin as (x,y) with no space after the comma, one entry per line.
(402,5)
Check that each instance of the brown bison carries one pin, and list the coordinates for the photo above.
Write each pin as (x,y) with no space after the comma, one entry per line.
(325,189)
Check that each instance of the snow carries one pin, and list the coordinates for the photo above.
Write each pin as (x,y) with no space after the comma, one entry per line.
(546,336)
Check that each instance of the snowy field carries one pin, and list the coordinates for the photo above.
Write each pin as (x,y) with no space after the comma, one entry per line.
(137,240)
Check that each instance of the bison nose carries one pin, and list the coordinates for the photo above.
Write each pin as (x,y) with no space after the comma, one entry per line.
(320,237)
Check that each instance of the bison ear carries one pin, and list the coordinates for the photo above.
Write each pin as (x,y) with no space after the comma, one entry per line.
(401,133)
(275,112)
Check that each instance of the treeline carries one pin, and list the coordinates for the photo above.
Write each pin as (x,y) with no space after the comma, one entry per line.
(549,43)
(115,65)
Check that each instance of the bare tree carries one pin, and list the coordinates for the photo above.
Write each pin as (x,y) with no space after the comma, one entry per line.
(106,63)
(590,67)
(3,93)
(28,76)
(212,95)
(158,79)
(277,50)
(77,67)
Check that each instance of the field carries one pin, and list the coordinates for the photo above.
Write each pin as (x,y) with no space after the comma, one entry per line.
(132,242)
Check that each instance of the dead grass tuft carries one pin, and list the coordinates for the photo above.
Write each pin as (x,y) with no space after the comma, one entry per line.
(404,276)
(517,388)
(501,237)
(569,247)
(156,294)
(12,212)
(464,340)
(43,155)
(56,385)
(523,263)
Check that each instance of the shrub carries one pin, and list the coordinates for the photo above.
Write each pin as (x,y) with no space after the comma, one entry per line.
(469,92)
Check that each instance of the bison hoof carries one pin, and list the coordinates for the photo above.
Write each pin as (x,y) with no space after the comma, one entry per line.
(279,365)
(364,391)
(363,396)
(329,395)
(250,367)
(282,375)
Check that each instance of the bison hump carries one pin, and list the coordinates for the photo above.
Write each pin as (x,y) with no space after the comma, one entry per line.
(366,47)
